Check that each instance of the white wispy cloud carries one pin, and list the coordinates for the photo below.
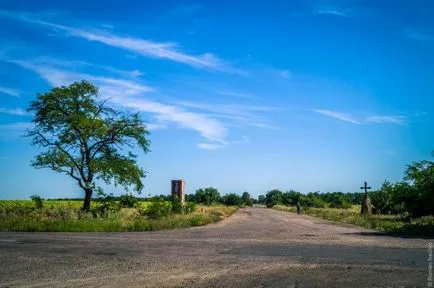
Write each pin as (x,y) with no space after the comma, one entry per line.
(285,74)
(375,119)
(108,26)
(129,93)
(210,146)
(209,128)
(147,48)
(418,35)
(236,94)
(9,91)
(14,111)
(239,115)
(156,126)
(338,115)
(332,11)
(393,119)
(111,87)
(13,130)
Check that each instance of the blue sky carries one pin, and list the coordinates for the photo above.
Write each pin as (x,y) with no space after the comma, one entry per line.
(239,95)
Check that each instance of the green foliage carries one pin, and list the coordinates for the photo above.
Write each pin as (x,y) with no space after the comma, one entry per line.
(291,197)
(207,196)
(423,226)
(158,209)
(420,200)
(338,200)
(128,201)
(232,199)
(261,199)
(177,206)
(38,201)
(389,198)
(106,205)
(76,220)
(312,201)
(190,207)
(246,199)
(86,139)
(273,197)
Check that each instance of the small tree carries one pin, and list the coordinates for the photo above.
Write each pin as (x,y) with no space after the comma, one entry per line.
(273,197)
(247,200)
(38,201)
(128,201)
(207,196)
(232,199)
(85,139)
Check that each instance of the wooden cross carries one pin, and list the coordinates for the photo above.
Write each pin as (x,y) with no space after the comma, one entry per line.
(366,187)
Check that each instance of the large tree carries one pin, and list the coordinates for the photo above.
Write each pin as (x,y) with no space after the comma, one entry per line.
(86,139)
(420,199)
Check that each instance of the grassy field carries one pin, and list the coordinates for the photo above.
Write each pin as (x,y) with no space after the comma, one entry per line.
(66,216)
(423,226)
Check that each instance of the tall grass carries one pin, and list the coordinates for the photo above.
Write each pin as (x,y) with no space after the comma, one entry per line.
(423,226)
(64,216)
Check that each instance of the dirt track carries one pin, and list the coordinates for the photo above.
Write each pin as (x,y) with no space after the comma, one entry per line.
(256,247)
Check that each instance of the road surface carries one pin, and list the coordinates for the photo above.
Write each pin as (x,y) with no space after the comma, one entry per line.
(256,247)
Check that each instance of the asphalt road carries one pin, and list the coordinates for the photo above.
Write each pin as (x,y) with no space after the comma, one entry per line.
(256,247)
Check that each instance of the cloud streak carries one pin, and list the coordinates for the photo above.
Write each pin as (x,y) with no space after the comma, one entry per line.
(397,119)
(337,115)
(376,119)
(285,74)
(147,48)
(126,93)
(14,111)
(236,94)
(418,35)
(9,91)
(13,130)
(331,11)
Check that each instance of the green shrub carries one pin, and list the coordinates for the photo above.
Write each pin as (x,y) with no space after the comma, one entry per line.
(128,201)
(38,201)
(273,197)
(106,205)
(232,199)
(177,206)
(158,209)
(312,201)
(189,207)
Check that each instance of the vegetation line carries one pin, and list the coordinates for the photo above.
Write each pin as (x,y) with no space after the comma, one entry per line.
(420,227)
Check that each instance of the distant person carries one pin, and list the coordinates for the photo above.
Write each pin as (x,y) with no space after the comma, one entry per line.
(298,208)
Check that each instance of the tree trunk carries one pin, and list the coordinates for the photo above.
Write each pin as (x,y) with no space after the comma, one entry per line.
(87,197)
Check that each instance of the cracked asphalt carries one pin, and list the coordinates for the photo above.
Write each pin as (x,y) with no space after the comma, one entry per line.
(256,247)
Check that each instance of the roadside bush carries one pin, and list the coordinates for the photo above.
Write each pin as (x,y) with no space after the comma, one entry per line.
(273,197)
(312,201)
(232,199)
(207,196)
(106,205)
(158,209)
(37,201)
(177,205)
(128,201)
(246,199)
(190,207)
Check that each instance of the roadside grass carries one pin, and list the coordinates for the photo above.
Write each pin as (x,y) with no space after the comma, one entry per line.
(61,217)
(421,227)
